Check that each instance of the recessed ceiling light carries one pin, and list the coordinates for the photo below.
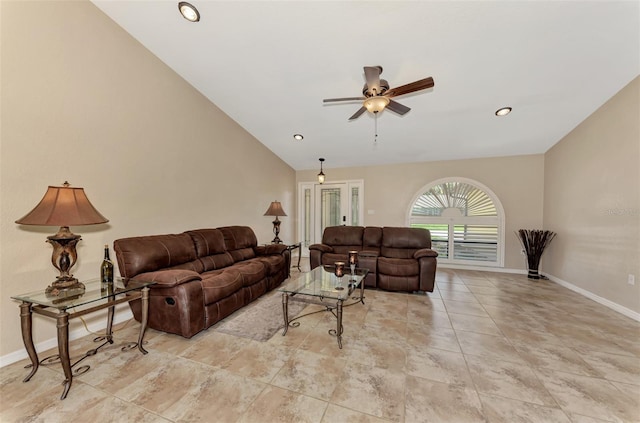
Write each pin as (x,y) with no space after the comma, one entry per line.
(298,137)
(503,111)
(188,11)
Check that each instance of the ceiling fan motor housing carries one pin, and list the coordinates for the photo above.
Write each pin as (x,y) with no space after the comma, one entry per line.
(384,86)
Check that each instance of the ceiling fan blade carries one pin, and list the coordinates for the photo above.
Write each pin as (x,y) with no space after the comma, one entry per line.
(330,100)
(372,75)
(400,109)
(357,114)
(409,88)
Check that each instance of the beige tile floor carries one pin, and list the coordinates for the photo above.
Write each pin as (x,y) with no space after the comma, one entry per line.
(483,347)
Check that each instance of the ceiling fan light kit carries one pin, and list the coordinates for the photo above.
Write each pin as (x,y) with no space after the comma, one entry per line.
(376,104)
(377,94)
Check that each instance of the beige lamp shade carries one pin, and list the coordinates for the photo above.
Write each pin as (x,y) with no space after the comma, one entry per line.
(63,206)
(275,209)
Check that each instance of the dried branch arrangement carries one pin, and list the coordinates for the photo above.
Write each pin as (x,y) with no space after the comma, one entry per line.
(534,242)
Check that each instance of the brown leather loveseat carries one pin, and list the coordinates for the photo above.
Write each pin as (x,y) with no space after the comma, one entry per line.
(201,276)
(398,259)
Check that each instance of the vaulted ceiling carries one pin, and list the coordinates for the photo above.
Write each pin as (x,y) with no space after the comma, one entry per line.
(269,65)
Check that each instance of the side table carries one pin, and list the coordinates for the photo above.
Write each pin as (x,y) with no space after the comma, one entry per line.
(95,297)
(296,246)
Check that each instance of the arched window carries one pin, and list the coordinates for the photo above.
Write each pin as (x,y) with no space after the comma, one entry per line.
(466,221)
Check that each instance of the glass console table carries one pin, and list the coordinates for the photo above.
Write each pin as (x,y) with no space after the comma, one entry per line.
(96,296)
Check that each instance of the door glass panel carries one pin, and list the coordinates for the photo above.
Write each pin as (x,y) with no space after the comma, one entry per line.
(355,206)
(330,211)
(307,217)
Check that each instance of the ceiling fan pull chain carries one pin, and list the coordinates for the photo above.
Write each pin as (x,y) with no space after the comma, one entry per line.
(375,123)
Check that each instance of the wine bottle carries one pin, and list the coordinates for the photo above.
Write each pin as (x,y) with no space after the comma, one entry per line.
(106,269)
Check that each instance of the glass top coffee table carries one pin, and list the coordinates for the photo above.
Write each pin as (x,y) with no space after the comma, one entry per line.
(322,287)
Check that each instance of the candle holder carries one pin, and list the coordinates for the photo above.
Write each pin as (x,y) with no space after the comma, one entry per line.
(339,272)
(353,261)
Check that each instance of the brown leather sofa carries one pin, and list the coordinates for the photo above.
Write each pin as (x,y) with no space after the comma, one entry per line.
(398,259)
(201,276)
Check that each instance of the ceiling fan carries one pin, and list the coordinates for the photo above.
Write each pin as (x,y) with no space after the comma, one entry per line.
(377,95)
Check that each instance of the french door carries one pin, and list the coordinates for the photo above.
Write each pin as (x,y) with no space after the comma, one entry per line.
(331,206)
(322,205)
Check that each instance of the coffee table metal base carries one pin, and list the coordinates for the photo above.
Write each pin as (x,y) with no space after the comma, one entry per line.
(328,307)
(338,307)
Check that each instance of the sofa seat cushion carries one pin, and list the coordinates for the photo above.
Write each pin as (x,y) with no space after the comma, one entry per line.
(331,258)
(344,249)
(252,271)
(220,284)
(273,264)
(398,267)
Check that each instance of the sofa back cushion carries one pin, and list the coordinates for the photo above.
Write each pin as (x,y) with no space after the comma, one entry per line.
(404,242)
(372,238)
(211,248)
(343,238)
(240,242)
(149,253)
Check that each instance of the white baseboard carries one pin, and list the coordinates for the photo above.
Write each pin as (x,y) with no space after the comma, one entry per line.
(482,268)
(121,316)
(607,303)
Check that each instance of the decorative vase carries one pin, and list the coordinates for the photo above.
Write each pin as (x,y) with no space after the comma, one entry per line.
(534,242)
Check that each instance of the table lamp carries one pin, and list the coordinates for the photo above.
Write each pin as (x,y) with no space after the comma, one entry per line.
(64,206)
(275,209)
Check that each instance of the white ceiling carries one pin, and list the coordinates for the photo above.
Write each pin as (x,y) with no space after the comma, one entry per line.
(269,64)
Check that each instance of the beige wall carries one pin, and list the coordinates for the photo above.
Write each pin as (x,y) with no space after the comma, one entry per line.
(83,101)
(389,190)
(592,200)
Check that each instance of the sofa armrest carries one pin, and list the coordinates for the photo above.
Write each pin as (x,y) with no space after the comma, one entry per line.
(270,249)
(425,252)
(169,278)
(321,247)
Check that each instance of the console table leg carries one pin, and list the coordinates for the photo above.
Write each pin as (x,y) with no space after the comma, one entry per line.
(285,312)
(27,338)
(339,319)
(63,351)
(110,314)
(145,318)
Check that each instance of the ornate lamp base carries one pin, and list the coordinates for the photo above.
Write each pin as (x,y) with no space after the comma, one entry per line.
(276,231)
(65,289)
(63,258)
